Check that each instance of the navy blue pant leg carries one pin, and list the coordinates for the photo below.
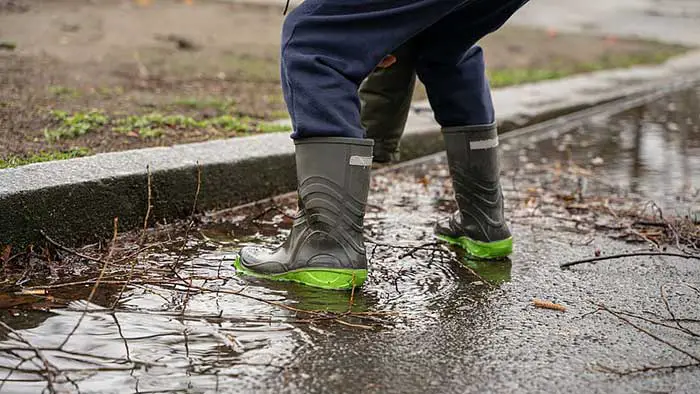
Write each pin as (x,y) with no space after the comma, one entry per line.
(457,87)
(330,46)
(452,67)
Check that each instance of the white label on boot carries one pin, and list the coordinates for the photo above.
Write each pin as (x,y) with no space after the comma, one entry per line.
(483,144)
(362,161)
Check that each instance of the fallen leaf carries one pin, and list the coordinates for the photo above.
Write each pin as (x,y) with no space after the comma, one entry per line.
(548,305)
(5,256)
(32,292)
(566,197)
(425,181)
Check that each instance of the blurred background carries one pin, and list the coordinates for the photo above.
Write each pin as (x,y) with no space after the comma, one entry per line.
(79,77)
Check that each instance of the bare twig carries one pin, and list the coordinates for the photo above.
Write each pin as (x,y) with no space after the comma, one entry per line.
(673,316)
(317,314)
(150,203)
(352,294)
(15,368)
(87,305)
(647,368)
(114,237)
(692,288)
(642,330)
(176,265)
(273,208)
(51,371)
(126,282)
(69,250)
(95,259)
(622,255)
(362,326)
(121,335)
(658,323)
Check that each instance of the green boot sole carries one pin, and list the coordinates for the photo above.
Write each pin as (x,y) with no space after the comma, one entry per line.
(482,250)
(324,278)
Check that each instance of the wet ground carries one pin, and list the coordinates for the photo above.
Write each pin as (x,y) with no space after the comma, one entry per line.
(664,20)
(426,320)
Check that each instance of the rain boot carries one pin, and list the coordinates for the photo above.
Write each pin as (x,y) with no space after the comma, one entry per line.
(479,225)
(385,96)
(325,247)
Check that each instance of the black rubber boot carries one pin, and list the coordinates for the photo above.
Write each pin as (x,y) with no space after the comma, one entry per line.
(326,245)
(479,225)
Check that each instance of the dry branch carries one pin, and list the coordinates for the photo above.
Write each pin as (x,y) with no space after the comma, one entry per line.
(51,371)
(647,332)
(622,255)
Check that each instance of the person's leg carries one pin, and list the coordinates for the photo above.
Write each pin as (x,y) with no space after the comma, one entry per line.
(329,47)
(385,98)
(459,93)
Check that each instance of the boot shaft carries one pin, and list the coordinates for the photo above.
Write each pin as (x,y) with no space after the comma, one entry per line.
(333,176)
(472,156)
(472,152)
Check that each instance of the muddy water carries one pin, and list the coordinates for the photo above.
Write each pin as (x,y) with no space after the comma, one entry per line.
(444,325)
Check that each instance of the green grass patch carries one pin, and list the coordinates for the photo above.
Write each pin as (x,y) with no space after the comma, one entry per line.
(226,105)
(75,125)
(108,91)
(63,91)
(153,125)
(272,127)
(8,45)
(16,161)
(556,70)
(279,114)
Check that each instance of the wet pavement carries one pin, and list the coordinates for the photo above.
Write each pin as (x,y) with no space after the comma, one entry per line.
(424,321)
(674,21)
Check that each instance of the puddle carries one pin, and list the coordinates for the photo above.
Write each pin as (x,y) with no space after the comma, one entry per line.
(236,334)
(224,340)
(653,151)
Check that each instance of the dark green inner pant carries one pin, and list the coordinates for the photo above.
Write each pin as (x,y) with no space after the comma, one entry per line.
(385,96)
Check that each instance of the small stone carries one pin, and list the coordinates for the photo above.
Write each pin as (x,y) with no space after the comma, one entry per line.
(597,161)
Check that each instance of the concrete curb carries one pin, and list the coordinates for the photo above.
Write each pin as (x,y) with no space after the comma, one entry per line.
(75,201)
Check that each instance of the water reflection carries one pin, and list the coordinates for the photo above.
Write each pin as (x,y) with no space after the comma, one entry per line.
(652,150)
(493,272)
